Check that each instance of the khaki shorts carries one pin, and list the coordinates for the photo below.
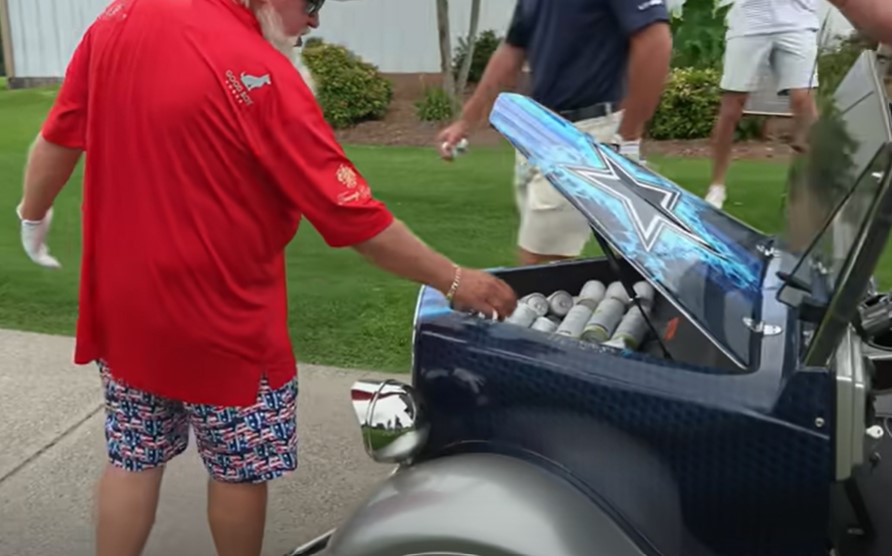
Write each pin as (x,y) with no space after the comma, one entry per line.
(791,57)
(549,224)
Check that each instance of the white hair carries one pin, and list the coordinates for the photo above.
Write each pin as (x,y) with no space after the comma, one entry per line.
(305,72)
(273,31)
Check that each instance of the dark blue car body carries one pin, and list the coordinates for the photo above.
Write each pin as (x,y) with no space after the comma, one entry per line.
(745,457)
(738,433)
(753,421)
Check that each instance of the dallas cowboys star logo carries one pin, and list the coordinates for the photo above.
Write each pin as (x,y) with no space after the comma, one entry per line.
(649,205)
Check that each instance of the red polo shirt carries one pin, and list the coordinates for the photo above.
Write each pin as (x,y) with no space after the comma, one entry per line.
(204,150)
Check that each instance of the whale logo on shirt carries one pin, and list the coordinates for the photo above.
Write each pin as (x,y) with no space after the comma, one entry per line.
(252,82)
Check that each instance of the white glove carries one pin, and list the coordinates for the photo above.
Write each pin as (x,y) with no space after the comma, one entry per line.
(631,150)
(34,234)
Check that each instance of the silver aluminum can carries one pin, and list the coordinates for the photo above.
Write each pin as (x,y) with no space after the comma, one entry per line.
(615,343)
(544,324)
(603,320)
(631,330)
(617,291)
(523,315)
(594,290)
(574,323)
(537,302)
(560,303)
(645,293)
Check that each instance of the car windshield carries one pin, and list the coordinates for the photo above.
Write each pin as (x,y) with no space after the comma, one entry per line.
(834,187)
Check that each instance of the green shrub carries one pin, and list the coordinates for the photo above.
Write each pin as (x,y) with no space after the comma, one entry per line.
(434,106)
(348,89)
(698,35)
(313,42)
(484,47)
(749,127)
(688,106)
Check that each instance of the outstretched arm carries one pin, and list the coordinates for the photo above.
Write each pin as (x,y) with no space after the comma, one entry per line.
(48,169)
(501,73)
(650,49)
(649,52)
(873,17)
(62,139)
(311,176)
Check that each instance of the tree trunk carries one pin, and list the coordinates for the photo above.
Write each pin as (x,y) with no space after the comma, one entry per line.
(469,55)
(445,48)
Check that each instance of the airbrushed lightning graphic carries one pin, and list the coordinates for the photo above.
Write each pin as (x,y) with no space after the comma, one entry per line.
(704,260)
(649,208)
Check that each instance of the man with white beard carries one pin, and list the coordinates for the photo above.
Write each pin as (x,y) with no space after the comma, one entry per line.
(205,150)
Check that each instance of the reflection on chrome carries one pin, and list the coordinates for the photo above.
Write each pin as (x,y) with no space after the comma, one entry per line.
(394,428)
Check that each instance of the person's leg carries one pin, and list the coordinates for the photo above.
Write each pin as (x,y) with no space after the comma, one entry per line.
(796,69)
(244,448)
(743,59)
(531,221)
(523,173)
(551,229)
(143,432)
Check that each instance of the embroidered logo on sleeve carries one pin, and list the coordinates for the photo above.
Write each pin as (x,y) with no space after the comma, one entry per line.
(115,10)
(354,190)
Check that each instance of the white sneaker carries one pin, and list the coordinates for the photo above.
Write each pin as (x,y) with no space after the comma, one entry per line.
(715,196)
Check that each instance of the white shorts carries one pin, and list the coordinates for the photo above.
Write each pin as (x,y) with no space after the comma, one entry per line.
(549,224)
(791,56)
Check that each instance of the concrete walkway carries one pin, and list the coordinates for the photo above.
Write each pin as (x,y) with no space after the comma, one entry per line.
(51,433)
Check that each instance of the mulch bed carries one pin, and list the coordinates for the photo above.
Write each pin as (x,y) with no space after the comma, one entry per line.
(402,127)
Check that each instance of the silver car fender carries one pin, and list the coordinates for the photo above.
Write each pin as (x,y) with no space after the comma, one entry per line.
(478,505)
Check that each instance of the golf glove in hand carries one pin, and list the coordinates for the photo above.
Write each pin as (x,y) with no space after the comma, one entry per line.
(629,149)
(34,234)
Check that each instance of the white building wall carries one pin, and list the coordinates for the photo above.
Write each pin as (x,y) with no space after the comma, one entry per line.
(45,33)
(401,35)
(396,35)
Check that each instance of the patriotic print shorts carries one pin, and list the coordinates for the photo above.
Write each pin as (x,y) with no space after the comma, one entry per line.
(252,444)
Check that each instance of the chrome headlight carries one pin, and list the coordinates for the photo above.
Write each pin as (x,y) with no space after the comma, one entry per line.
(394,427)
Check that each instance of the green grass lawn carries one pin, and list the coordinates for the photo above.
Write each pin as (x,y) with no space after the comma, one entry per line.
(343,311)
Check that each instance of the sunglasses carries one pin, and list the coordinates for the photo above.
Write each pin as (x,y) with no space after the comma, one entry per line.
(313,6)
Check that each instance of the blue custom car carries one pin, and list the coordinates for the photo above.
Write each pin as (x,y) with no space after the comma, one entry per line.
(748,421)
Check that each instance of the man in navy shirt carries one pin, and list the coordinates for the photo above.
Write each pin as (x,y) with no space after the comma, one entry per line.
(599,63)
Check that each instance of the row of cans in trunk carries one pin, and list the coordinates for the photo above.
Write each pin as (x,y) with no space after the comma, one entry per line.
(598,314)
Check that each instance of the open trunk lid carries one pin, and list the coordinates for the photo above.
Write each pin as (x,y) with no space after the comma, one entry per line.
(709,265)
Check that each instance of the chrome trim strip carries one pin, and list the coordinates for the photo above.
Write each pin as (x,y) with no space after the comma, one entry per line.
(844,402)
(851,404)
(860,392)
(314,546)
